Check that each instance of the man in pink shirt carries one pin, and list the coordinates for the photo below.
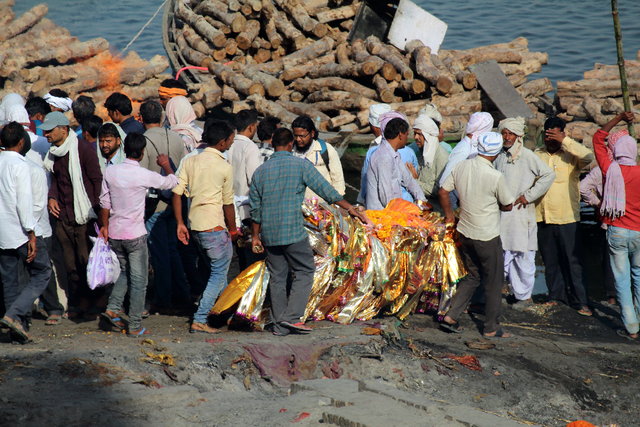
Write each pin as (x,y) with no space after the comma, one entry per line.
(122,200)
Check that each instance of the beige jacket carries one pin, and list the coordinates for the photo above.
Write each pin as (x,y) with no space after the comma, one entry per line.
(335,177)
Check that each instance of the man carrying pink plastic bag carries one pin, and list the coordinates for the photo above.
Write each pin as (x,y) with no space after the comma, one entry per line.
(122,200)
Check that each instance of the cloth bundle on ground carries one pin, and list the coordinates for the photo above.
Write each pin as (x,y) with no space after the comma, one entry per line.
(407,262)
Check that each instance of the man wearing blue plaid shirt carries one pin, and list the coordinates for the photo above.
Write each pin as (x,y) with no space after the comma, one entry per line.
(276,196)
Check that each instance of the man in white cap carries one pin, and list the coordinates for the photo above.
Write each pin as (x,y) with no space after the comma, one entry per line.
(407,155)
(74,194)
(58,100)
(528,178)
(432,112)
(433,158)
(483,193)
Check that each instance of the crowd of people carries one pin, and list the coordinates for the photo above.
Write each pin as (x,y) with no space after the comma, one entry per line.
(177,200)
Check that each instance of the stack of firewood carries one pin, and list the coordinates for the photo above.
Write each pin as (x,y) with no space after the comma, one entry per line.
(590,103)
(37,55)
(291,57)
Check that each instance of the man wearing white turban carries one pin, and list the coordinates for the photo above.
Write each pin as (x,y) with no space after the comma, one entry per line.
(479,123)
(528,178)
(58,100)
(434,158)
(483,193)
(407,155)
(432,112)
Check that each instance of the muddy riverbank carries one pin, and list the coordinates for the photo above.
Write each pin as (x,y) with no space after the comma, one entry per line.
(559,367)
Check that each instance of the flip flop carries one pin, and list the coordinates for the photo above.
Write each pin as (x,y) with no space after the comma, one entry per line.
(500,333)
(624,334)
(451,327)
(53,320)
(585,311)
(15,328)
(116,322)
(139,333)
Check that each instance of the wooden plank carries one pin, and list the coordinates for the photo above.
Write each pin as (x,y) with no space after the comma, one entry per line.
(500,90)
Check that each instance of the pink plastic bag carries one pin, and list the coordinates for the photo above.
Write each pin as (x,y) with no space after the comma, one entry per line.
(103,267)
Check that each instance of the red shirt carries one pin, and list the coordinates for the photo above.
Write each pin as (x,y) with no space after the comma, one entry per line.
(631,175)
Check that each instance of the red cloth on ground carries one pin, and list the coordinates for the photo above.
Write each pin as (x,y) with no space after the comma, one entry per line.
(631,219)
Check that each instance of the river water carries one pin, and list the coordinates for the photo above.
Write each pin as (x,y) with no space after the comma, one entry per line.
(575,34)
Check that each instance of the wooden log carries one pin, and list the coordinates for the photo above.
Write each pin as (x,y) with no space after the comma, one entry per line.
(75,51)
(231,47)
(425,68)
(535,88)
(235,80)
(312,85)
(342,54)
(385,93)
(389,54)
(272,33)
(596,88)
(212,98)
(341,120)
(270,108)
(347,25)
(612,106)
(529,65)
(193,56)
(295,96)
(273,86)
(314,6)
(240,106)
(520,44)
(225,29)
(303,108)
(137,75)
(302,18)
(371,64)
(219,55)
(338,35)
(219,10)
(24,22)
(200,24)
(233,5)
(517,79)
(256,5)
(413,87)
(611,72)
(250,32)
(326,94)
(195,41)
(344,12)
(229,94)
(262,56)
(332,69)
(260,43)
(289,31)
(308,53)
(6,16)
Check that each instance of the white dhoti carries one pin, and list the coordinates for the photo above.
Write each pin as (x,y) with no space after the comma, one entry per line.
(520,271)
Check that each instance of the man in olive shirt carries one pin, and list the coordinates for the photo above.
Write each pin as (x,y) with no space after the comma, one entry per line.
(558,214)
(483,193)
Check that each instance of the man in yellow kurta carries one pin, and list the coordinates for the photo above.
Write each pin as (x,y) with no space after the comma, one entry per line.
(558,213)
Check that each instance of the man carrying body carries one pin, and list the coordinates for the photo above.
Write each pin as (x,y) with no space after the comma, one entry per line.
(18,241)
(119,109)
(169,281)
(387,175)
(207,179)
(323,156)
(558,213)
(76,181)
(277,192)
(528,179)
(483,193)
(122,199)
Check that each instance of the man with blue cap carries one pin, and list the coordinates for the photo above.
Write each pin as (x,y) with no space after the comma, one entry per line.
(483,193)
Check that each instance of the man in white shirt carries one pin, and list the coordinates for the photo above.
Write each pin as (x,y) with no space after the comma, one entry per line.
(245,157)
(18,241)
(483,193)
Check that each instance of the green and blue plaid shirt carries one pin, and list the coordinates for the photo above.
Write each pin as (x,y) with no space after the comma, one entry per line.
(276,196)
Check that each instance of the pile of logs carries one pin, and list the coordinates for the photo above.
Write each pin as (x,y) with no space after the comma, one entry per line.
(37,55)
(291,57)
(590,103)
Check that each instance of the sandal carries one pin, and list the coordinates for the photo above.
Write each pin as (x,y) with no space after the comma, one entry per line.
(451,327)
(624,334)
(203,328)
(500,333)
(113,319)
(15,328)
(138,333)
(585,311)
(53,320)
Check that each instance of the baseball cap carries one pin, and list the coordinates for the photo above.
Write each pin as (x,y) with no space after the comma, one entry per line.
(53,119)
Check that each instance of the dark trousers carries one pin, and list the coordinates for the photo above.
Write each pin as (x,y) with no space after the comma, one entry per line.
(49,298)
(485,264)
(563,271)
(297,259)
(74,241)
(19,299)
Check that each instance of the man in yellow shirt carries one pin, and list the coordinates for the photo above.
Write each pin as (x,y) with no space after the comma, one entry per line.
(207,179)
(558,213)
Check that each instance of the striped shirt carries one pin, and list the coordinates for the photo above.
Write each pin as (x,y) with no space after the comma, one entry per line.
(276,196)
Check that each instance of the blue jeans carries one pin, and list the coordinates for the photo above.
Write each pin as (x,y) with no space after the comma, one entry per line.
(216,245)
(624,252)
(133,255)
(168,273)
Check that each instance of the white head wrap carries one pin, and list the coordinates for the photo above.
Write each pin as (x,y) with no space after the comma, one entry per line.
(515,125)
(430,132)
(432,112)
(489,143)
(8,101)
(62,103)
(375,111)
(479,123)
(17,113)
